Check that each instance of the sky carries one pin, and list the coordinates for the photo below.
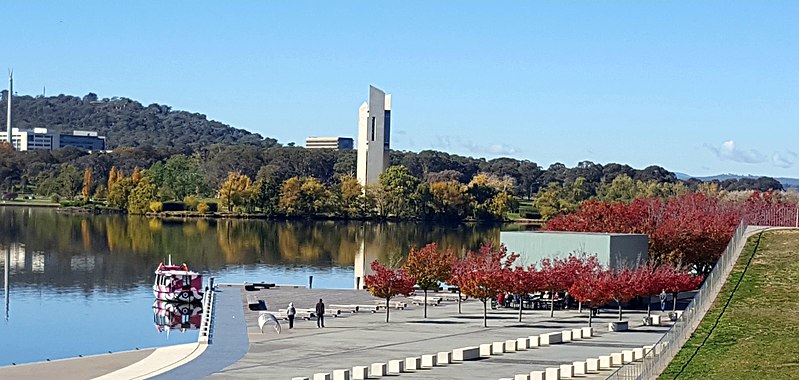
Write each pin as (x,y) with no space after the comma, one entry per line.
(701,88)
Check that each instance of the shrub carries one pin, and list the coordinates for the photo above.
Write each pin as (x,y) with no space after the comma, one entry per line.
(202,207)
(55,198)
(9,196)
(191,202)
(156,206)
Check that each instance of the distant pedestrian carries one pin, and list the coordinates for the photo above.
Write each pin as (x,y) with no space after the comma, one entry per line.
(662,301)
(291,312)
(320,314)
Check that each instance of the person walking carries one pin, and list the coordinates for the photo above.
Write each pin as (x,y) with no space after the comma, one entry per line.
(320,314)
(291,312)
(662,301)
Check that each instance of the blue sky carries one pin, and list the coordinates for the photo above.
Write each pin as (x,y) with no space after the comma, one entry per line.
(698,87)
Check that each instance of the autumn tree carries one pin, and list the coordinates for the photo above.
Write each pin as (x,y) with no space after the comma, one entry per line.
(87,184)
(141,195)
(678,280)
(350,196)
(592,288)
(119,192)
(429,266)
(650,280)
(235,190)
(483,274)
(523,281)
(621,286)
(449,200)
(386,283)
(555,277)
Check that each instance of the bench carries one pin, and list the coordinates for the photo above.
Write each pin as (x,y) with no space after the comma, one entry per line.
(258,286)
(255,304)
(419,300)
(393,304)
(350,308)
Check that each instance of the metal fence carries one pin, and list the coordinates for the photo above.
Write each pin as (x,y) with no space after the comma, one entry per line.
(656,359)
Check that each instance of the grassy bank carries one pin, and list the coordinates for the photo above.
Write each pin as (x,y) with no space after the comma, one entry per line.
(757,335)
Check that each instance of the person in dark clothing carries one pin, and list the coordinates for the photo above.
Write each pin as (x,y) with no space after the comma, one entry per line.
(320,314)
(291,312)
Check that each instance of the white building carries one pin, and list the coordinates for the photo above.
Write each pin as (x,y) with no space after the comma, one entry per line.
(339,143)
(374,133)
(41,139)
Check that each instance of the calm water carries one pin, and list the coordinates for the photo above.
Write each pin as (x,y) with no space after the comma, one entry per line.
(81,285)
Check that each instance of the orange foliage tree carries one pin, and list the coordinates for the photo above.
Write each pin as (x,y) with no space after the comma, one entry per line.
(430,266)
(484,274)
(387,283)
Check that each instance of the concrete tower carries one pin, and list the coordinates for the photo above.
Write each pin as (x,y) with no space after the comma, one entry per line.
(10,92)
(374,132)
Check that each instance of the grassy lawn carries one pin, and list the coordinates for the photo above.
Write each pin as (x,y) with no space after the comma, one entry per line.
(757,336)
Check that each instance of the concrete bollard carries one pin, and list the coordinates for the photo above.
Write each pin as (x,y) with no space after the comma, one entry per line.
(616,359)
(360,372)
(341,374)
(413,363)
(579,368)
(577,334)
(396,366)
(551,338)
(627,356)
(510,345)
(321,376)
(638,354)
(300,378)
(656,320)
(592,365)
(378,369)
(588,332)
(566,336)
(429,361)
(498,348)
(538,375)
(522,344)
(605,362)
(466,353)
(566,370)
(533,341)
(648,350)
(524,376)
(444,357)
(486,350)
(552,373)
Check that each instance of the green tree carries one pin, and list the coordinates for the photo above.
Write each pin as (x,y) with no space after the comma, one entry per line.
(178,177)
(119,192)
(69,181)
(449,200)
(401,188)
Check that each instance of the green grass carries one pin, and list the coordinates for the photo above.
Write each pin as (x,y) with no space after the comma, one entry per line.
(757,336)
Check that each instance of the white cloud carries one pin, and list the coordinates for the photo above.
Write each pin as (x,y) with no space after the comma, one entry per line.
(729,151)
(781,161)
(455,143)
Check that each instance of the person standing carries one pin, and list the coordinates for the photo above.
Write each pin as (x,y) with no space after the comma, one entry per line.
(291,312)
(662,301)
(320,314)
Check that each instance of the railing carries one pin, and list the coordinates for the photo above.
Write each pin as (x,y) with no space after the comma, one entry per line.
(657,359)
(206,324)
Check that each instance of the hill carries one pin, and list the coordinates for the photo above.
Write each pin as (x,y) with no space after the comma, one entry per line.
(126,122)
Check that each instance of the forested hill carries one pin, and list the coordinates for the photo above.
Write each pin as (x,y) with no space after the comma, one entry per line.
(126,122)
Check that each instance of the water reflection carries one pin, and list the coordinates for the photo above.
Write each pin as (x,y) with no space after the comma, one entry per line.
(169,316)
(97,270)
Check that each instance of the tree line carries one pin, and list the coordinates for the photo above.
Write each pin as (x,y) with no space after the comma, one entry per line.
(492,270)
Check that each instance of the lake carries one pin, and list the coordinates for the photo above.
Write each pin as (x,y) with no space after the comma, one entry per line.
(81,284)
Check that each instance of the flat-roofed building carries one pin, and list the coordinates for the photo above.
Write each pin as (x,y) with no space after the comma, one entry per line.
(613,250)
(340,143)
(42,139)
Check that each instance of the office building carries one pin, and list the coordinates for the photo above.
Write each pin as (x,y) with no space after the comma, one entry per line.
(42,139)
(374,133)
(339,143)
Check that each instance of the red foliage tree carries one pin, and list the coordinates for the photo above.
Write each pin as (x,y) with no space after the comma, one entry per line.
(692,229)
(592,288)
(621,286)
(483,274)
(387,283)
(523,281)
(555,277)
(678,280)
(650,280)
(430,266)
